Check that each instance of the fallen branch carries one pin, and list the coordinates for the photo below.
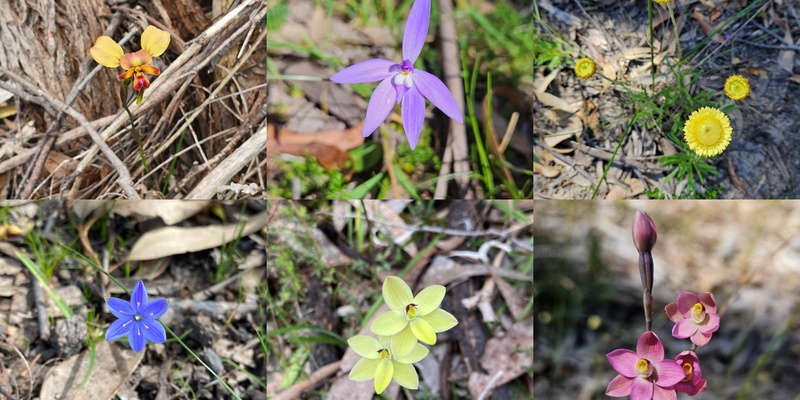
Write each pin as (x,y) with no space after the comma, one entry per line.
(299,388)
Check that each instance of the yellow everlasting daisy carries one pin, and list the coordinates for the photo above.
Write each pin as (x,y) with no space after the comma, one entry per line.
(708,131)
(585,68)
(737,87)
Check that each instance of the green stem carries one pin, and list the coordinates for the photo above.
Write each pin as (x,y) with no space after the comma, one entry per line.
(614,155)
(230,390)
(124,95)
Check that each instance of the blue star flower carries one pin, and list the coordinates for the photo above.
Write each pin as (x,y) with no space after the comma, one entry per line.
(137,319)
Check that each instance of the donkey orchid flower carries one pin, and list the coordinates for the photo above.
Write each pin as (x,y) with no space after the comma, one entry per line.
(382,363)
(402,83)
(412,318)
(109,54)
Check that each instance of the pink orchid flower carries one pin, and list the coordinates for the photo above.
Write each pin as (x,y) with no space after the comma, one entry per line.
(695,317)
(693,382)
(644,375)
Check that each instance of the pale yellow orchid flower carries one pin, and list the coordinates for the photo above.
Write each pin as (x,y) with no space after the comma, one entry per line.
(412,318)
(383,364)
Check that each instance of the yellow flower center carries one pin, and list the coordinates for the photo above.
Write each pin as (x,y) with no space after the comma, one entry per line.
(411,312)
(643,366)
(688,370)
(698,313)
(384,353)
(709,132)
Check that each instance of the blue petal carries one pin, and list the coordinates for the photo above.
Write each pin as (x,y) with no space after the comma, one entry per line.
(138,298)
(416,29)
(413,115)
(120,308)
(379,107)
(434,90)
(372,70)
(154,331)
(155,308)
(136,337)
(119,328)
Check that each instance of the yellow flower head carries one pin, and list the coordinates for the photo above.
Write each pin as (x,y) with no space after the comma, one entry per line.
(708,131)
(382,363)
(412,318)
(585,68)
(109,54)
(737,87)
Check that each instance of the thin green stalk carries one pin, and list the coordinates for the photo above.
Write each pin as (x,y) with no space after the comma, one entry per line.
(230,390)
(470,84)
(172,163)
(124,95)
(614,155)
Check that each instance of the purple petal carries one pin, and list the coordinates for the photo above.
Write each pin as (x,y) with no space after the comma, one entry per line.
(120,308)
(434,90)
(155,308)
(673,313)
(416,29)
(660,393)
(138,297)
(119,328)
(619,386)
(707,300)
(413,116)
(687,300)
(668,373)
(700,338)
(372,70)
(649,347)
(712,325)
(154,331)
(624,362)
(136,338)
(683,329)
(379,107)
(641,389)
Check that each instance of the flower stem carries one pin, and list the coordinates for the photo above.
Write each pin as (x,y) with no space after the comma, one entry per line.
(124,95)
(230,390)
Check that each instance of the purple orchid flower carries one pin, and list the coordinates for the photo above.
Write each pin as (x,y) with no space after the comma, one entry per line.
(401,82)
(137,319)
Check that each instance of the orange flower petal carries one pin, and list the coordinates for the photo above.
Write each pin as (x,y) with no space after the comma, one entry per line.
(106,52)
(137,59)
(128,73)
(150,70)
(155,41)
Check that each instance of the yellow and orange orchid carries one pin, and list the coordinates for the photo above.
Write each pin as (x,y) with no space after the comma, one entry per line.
(109,54)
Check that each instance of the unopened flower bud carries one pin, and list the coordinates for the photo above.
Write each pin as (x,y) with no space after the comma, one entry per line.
(644,232)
